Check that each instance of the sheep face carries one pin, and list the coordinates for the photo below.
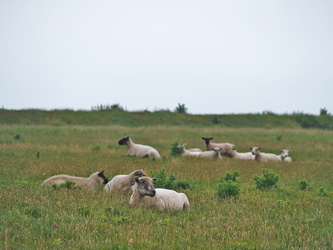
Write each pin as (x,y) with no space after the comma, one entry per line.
(145,186)
(123,141)
(285,153)
(102,176)
(207,140)
(255,150)
(217,151)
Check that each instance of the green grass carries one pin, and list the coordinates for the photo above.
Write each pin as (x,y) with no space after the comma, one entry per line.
(286,217)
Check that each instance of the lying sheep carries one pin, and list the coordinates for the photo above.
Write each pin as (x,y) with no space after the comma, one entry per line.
(139,150)
(144,194)
(123,183)
(241,156)
(215,154)
(227,148)
(194,152)
(263,157)
(90,183)
(284,156)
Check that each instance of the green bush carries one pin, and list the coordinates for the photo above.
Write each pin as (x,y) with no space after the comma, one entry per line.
(96,148)
(228,186)
(167,182)
(303,184)
(181,109)
(176,149)
(268,180)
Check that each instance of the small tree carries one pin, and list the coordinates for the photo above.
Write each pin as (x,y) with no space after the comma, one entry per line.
(181,109)
(323,111)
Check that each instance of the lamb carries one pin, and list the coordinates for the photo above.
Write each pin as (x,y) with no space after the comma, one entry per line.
(194,152)
(263,157)
(227,148)
(139,150)
(241,156)
(144,194)
(284,156)
(91,183)
(123,183)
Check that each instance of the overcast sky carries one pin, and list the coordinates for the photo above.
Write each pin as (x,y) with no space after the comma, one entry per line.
(214,56)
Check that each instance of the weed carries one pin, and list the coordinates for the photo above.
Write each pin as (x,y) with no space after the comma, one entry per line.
(268,180)
(176,149)
(17,137)
(32,211)
(69,185)
(96,148)
(181,109)
(37,154)
(302,184)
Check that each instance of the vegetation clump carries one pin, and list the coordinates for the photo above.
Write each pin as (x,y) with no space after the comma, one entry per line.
(268,180)
(228,186)
(176,149)
(168,182)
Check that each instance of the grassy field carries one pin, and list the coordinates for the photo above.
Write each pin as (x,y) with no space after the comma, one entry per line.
(287,217)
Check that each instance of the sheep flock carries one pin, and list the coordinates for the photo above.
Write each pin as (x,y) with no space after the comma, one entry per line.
(140,185)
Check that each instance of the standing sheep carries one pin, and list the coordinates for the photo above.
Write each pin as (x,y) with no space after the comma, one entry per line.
(90,183)
(284,156)
(123,183)
(227,148)
(160,199)
(139,150)
(263,157)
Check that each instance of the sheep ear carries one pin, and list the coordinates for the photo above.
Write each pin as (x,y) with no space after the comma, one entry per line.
(127,137)
(155,179)
(101,173)
(258,148)
(281,150)
(290,151)
(233,147)
(251,148)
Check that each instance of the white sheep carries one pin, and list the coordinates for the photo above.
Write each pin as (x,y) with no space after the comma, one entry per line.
(227,148)
(263,157)
(91,183)
(241,156)
(284,156)
(194,152)
(139,150)
(144,194)
(214,154)
(123,183)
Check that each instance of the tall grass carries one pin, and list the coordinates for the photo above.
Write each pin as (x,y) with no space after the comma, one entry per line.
(33,217)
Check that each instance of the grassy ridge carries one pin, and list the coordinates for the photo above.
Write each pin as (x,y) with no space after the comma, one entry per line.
(121,117)
(33,217)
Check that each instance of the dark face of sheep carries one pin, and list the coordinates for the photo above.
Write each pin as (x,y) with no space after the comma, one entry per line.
(207,140)
(123,141)
(102,176)
(145,186)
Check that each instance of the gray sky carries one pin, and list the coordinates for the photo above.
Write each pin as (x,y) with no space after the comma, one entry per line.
(213,56)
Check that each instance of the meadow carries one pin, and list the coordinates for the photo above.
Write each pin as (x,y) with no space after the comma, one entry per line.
(33,217)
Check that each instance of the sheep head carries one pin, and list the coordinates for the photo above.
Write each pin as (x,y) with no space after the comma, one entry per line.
(207,140)
(144,185)
(124,140)
(102,176)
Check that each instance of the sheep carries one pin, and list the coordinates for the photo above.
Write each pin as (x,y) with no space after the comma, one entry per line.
(215,154)
(144,194)
(227,148)
(123,183)
(139,150)
(194,152)
(91,183)
(241,156)
(263,157)
(284,156)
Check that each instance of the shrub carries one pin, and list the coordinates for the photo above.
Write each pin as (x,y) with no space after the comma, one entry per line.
(228,186)
(303,184)
(268,180)
(176,149)
(17,137)
(168,182)
(181,109)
